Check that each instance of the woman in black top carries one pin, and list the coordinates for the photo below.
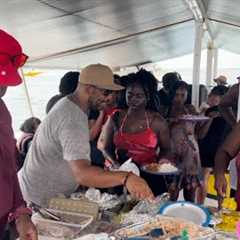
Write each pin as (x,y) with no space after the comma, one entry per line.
(210,138)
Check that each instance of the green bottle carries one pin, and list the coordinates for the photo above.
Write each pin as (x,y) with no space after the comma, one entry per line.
(184,235)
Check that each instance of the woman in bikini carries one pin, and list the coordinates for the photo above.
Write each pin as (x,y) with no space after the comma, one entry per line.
(138,131)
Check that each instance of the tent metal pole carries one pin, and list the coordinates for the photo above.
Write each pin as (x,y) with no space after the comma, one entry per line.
(209,67)
(27,93)
(196,63)
(215,66)
(238,110)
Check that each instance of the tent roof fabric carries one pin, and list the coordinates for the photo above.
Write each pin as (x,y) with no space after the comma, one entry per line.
(72,34)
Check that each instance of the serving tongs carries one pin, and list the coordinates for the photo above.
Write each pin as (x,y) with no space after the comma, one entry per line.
(44,212)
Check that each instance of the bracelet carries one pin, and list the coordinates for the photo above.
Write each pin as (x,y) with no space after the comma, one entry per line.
(126,179)
(18,212)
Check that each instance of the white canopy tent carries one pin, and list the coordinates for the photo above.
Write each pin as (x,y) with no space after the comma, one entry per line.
(70,34)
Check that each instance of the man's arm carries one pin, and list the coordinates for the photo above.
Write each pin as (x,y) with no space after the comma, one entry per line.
(225,154)
(226,104)
(91,176)
(228,150)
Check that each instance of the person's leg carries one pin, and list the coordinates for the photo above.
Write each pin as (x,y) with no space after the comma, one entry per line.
(190,185)
(202,189)
(173,191)
(189,194)
(232,193)
(174,186)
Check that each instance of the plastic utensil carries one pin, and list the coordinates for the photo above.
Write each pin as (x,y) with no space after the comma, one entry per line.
(45,213)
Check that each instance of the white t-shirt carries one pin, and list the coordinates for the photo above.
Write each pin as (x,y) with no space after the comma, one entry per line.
(63,136)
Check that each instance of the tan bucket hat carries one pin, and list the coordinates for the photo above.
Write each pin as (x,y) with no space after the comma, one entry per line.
(222,80)
(100,76)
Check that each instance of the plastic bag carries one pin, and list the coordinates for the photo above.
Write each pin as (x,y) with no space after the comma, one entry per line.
(129,166)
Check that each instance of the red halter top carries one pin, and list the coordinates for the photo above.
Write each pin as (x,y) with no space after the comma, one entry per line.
(141,147)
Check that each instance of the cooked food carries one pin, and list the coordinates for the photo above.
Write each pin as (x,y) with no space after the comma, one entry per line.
(167,167)
(171,226)
(152,167)
(161,168)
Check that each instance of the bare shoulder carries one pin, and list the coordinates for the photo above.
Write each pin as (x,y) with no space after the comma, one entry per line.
(230,96)
(236,130)
(157,121)
(234,88)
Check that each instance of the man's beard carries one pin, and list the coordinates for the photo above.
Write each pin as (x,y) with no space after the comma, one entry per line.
(95,106)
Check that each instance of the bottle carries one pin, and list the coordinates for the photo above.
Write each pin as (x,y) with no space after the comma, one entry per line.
(184,235)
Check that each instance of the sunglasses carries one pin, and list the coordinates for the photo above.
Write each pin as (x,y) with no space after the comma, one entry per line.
(17,61)
(107,92)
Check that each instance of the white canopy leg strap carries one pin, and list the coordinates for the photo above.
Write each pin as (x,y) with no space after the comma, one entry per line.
(215,66)
(209,67)
(196,63)
(27,93)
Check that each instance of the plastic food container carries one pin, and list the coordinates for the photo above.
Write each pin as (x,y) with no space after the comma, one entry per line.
(69,228)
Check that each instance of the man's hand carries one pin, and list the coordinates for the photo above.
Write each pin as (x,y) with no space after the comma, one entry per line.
(25,228)
(138,188)
(213,114)
(111,164)
(220,184)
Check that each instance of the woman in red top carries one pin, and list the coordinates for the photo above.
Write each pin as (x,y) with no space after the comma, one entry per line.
(138,131)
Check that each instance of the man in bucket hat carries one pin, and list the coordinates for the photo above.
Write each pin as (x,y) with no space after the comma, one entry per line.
(220,80)
(59,158)
(12,205)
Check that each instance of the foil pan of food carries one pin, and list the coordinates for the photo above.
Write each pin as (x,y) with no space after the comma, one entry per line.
(162,227)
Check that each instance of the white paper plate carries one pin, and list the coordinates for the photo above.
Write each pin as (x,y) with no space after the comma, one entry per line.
(188,211)
(193,118)
(144,168)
